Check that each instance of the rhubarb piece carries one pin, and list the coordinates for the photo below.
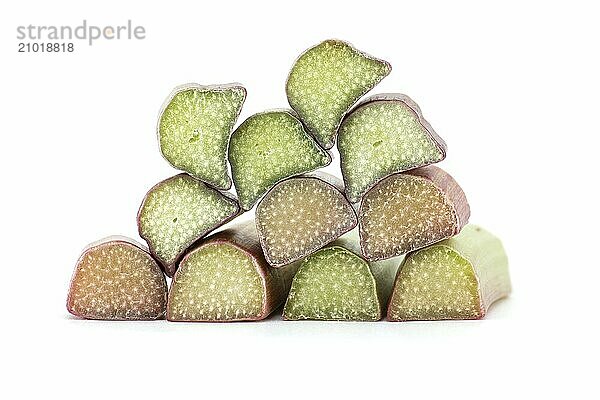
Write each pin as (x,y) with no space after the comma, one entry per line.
(117,279)
(267,148)
(300,215)
(226,278)
(335,283)
(384,134)
(326,80)
(408,211)
(458,278)
(177,212)
(194,128)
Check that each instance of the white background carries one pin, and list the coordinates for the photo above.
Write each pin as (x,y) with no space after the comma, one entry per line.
(512,88)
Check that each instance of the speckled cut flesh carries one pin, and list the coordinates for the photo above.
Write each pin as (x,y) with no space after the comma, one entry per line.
(326,80)
(333,284)
(194,127)
(409,211)
(226,278)
(115,279)
(177,212)
(458,278)
(299,216)
(384,134)
(267,148)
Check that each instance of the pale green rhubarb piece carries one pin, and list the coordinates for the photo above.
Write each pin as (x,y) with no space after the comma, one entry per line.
(409,211)
(336,283)
(326,80)
(194,127)
(300,215)
(117,279)
(458,278)
(177,212)
(384,134)
(226,278)
(267,148)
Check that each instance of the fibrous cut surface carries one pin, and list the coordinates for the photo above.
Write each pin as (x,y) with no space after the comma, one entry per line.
(333,284)
(326,81)
(194,130)
(299,216)
(433,284)
(267,148)
(216,282)
(381,138)
(117,281)
(179,211)
(404,213)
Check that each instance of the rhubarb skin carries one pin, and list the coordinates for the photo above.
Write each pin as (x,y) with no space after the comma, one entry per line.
(458,278)
(300,215)
(117,279)
(337,284)
(391,214)
(243,288)
(326,80)
(384,134)
(179,211)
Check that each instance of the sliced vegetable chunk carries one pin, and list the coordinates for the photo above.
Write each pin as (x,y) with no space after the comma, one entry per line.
(458,278)
(326,80)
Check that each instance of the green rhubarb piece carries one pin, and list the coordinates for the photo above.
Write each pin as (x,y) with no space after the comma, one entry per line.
(177,212)
(300,215)
(117,279)
(335,283)
(326,80)
(458,278)
(409,211)
(194,128)
(267,148)
(383,135)
(226,278)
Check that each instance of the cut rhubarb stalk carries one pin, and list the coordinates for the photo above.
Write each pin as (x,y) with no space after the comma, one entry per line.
(335,283)
(406,212)
(117,279)
(326,80)
(267,148)
(177,212)
(226,278)
(194,128)
(300,215)
(384,134)
(458,278)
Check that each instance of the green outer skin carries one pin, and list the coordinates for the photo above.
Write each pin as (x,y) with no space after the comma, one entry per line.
(486,255)
(325,132)
(263,166)
(206,153)
(383,272)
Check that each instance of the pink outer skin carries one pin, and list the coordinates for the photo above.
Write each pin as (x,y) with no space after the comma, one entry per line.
(203,88)
(172,267)
(399,97)
(359,52)
(447,185)
(328,179)
(276,285)
(102,242)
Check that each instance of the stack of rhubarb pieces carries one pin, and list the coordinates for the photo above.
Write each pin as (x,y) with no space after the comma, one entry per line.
(389,239)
